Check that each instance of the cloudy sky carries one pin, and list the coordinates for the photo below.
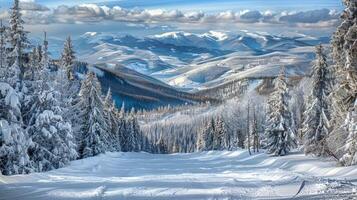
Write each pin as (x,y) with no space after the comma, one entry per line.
(63,17)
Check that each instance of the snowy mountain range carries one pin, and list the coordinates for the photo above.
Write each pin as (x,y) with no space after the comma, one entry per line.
(193,62)
(185,63)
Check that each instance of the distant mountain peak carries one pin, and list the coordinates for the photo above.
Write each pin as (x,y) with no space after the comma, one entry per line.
(219,36)
(174,34)
(90,34)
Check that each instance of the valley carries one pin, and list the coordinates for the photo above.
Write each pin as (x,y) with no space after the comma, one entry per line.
(194,65)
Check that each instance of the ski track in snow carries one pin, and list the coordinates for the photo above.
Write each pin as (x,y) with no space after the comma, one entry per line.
(206,175)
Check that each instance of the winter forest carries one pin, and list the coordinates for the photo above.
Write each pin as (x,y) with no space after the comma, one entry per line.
(59,112)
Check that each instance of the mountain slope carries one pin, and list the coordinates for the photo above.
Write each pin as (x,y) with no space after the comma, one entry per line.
(194,62)
(140,91)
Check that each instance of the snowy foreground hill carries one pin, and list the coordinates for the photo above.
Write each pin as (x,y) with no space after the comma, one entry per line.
(206,175)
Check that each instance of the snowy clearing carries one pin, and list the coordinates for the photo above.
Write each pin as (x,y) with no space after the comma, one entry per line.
(206,175)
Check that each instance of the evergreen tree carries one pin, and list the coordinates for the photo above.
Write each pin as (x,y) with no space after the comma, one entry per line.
(121,131)
(201,140)
(205,137)
(345,88)
(44,53)
(67,59)
(14,141)
(39,55)
(350,148)
(17,39)
(3,63)
(131,135)
(34,65)
(316,124)
(254,131)
(112,121)
(344,55)
(280,136)
(248,142)
(54,144)
(220,135)
(93,137)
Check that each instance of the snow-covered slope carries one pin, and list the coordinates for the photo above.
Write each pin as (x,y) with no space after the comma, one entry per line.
(151,53)
(205,175)
(214,72)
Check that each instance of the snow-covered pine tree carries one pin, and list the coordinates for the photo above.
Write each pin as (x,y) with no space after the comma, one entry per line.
(254,130)
(298,107)
(280,136)
(68,85)
(344,47)
(350,83)
(33,86)
(317,115)
(220,134)
(201,139)
(350,156)
(44,53)
(112,121)
(121,131)
(343,42)
(138,134)
(67,59)
(205,136)
(54,144)
(248,142)
(34,66)
(18,43)
(131,136)
(3,63)
(89,117)
(39,55)
(122,110)
(53,140)
(14,141)
(211,128)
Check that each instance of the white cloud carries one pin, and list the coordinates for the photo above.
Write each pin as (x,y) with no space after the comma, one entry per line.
(31,5)
(87,13)
(251,16)
(313,16)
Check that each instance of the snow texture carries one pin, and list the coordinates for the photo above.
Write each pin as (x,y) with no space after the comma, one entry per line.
(204,175)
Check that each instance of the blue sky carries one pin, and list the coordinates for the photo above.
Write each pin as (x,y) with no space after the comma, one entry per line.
(210,5)
(214,5)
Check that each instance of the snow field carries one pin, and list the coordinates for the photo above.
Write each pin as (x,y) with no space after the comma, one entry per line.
(205,175)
